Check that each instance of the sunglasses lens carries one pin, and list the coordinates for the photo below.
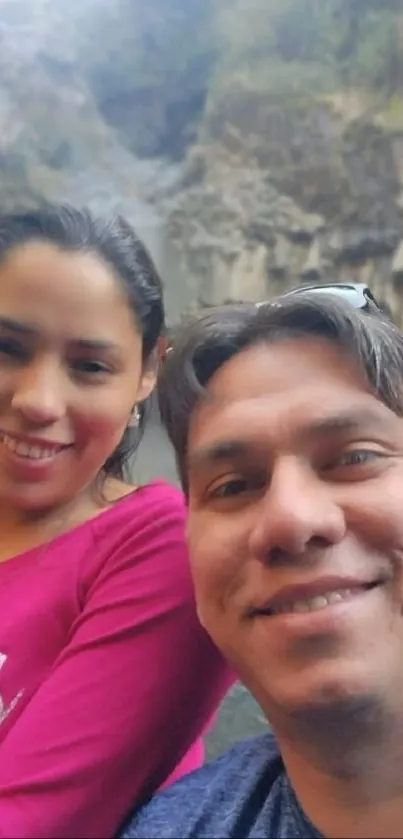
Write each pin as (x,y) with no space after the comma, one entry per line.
(357,295)
(353,295)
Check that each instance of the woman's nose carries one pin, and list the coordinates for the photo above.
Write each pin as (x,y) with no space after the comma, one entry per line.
(38,395)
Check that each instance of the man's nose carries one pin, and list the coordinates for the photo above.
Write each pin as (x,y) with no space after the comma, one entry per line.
(38,395)
(297,514)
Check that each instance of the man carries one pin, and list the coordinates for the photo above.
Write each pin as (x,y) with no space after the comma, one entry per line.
(287,424)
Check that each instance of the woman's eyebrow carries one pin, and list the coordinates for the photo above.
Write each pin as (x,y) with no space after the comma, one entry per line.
(16,326)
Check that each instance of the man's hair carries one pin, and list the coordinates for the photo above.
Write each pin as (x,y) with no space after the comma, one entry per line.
(208,341)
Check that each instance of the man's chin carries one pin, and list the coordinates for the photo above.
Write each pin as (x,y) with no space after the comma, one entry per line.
(332,717)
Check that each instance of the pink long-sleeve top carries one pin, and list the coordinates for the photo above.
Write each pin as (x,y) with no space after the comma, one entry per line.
(107,679)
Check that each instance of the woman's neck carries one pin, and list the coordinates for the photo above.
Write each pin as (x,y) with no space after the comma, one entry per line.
(21,530)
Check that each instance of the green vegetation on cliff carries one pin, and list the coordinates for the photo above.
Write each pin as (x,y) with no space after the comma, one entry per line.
(152,65)
(322,43)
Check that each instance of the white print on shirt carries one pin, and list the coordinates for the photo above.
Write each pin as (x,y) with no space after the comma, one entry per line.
(5,710)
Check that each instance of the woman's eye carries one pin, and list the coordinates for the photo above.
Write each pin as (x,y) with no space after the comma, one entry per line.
(12,349)
(90,367)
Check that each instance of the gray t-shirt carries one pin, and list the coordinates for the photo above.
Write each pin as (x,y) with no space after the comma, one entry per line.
(245,794)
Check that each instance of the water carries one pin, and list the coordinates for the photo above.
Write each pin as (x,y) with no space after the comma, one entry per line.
(104,194)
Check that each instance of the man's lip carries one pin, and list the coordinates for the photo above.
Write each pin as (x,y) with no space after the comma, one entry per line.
(34,441)
(316,588)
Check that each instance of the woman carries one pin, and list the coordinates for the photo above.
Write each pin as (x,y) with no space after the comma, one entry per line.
(106,678)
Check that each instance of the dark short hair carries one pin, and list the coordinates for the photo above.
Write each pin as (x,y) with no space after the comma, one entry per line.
(207,342)
(116,243)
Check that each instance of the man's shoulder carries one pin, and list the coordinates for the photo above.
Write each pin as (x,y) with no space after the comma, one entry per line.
(211,801)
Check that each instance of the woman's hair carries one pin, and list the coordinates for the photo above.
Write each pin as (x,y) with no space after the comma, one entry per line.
(207,342)
(117,244)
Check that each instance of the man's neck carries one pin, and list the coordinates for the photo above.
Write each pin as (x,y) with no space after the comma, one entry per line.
(351,795)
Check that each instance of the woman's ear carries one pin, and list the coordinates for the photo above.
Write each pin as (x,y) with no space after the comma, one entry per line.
(150,373)
(162,347)
(147,382)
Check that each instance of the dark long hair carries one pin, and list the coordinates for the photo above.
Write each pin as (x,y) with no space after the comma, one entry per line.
(115,241)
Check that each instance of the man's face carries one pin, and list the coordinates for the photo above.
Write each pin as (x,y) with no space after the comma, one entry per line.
(296,526)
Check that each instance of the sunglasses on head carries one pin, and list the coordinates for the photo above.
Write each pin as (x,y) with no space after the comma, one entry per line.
(358,294)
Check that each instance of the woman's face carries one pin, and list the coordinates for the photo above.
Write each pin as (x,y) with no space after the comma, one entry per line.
(70,373)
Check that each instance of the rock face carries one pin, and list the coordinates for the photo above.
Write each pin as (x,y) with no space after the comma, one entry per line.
(54,141)
(282,192)
(150,77)
(299,183)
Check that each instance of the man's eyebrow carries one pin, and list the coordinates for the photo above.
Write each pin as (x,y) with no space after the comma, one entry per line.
(346,421)
(217,453)
(336,424)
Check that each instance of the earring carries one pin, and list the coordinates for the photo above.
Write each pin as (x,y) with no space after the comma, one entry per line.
(134,419)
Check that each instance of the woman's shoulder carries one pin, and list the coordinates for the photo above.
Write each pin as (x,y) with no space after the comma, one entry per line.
(132,504)
(143,528)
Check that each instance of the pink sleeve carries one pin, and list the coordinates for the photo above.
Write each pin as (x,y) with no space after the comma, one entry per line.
(135,686)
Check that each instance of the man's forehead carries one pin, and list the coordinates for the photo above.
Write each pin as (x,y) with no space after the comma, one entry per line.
(233,437)
(272,394)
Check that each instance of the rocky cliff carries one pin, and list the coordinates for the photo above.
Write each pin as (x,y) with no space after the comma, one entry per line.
(55,143)
(54,139)
(298,173)
(286,117)
(282,193)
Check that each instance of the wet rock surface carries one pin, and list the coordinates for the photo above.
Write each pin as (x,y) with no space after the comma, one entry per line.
(309,199)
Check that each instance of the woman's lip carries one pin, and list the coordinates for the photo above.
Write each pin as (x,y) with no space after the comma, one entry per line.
(34,441)
(31,466)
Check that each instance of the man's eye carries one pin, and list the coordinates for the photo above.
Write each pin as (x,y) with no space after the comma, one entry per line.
(228,488)
(234,487)
(357,457)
